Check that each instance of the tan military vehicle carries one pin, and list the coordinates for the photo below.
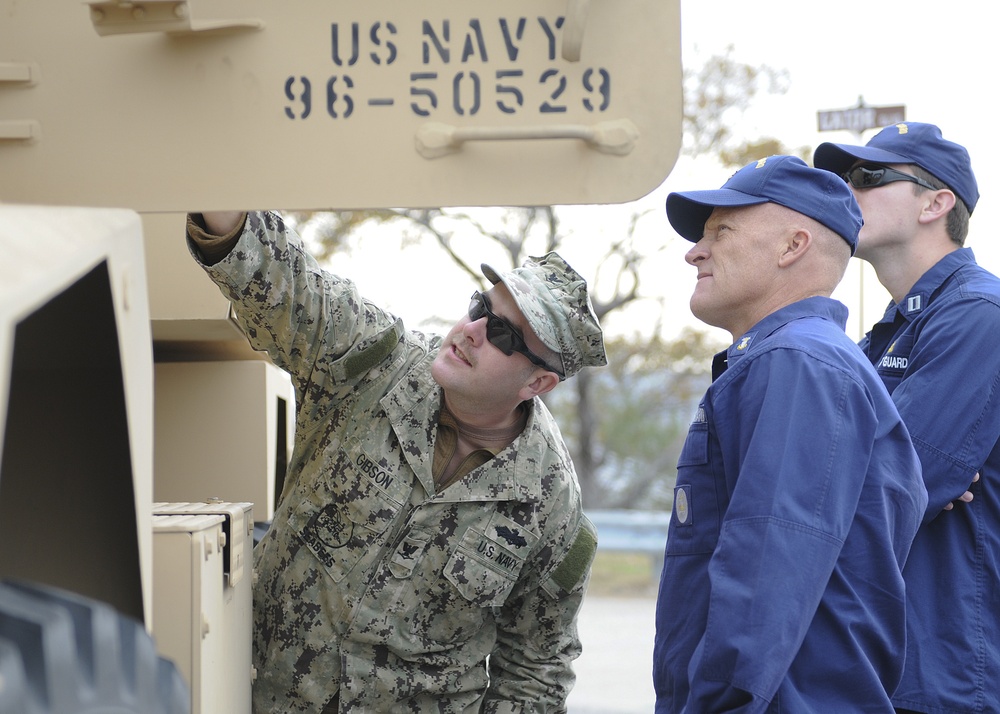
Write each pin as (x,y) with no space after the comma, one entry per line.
(125,528)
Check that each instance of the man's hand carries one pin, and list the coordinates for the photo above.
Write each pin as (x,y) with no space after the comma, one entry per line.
(964,498)
(220,223)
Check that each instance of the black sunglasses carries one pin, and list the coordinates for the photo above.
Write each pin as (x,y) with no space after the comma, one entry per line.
(501,334)
(872,175)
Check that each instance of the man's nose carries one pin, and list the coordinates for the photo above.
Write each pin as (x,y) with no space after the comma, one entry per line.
(697,254)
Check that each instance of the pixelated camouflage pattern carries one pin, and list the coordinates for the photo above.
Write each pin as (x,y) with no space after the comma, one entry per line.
(369,585)
(554,300)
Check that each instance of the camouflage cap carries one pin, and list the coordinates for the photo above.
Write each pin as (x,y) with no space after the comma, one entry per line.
(553,298)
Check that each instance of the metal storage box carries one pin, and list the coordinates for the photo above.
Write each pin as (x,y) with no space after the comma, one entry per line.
(202,599)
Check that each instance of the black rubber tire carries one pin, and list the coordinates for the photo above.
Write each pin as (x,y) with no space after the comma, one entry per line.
(62,653)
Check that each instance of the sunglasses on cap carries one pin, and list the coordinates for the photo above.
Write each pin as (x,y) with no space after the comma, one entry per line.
(501,334)
(872,175)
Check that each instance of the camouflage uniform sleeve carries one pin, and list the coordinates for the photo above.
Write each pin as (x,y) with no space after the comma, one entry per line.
(537,640)
(287,304)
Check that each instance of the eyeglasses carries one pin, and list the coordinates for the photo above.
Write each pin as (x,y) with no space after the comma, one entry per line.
(872,175)
(501,334)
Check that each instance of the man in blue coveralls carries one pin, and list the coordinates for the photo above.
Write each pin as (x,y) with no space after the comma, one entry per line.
(798,490)
(936,350)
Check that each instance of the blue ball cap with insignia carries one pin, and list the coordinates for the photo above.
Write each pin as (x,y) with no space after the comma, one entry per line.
(554,300)
(785,180)
(908,143)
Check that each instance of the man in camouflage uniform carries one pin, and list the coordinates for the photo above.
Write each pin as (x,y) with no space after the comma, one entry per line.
(429,552)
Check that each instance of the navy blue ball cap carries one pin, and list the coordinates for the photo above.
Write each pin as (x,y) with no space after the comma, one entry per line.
(785,180)
(908,143)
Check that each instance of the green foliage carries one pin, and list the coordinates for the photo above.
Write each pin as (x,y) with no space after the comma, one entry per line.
(642,403)
(616,574)
(716,94)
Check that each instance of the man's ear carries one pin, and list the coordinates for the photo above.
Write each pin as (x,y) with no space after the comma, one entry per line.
(796,245)
(542,381)
(938,204)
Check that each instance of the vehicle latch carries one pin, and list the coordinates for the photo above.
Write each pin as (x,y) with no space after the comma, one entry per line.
(117,17)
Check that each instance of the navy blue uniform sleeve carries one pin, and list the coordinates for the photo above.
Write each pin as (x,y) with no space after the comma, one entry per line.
(950,397)
(803,432)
